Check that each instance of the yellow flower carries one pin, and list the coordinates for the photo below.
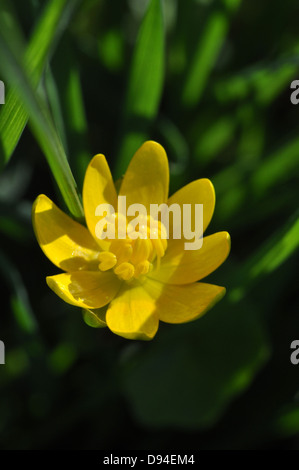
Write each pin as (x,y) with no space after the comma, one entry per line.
(142,281)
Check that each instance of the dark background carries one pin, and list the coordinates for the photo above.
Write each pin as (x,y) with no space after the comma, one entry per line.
(225,381)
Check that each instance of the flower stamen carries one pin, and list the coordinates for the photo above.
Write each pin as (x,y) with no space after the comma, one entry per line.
(125,271)
(107,260)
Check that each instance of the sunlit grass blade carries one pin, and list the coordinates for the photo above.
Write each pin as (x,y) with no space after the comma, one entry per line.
(207,51)
(13,116)
(42,126)
(144,85)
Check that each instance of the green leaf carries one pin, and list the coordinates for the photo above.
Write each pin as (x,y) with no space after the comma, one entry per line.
(95,318)
(177,147)
(277,250)
(41,123)
(51,93)
(217,135)
(144,86)
(279,166)
(261,83)
(62,358)
(206,52)
(269,257)
(13,116)
(256,178)
(67,77)
(187,376)
(287,422)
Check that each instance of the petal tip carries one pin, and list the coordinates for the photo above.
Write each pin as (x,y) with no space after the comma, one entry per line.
(41,203)
(96,158)
(153,143)
(137,336)
(50,282)
(228,239)
(153,146)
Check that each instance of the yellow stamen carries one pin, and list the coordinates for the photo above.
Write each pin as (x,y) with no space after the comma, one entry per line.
(125,271)
(142,268)
(122,249)
(107,260)
(133,256)
(162,231)
(158,246)
(164,244)
(141,250)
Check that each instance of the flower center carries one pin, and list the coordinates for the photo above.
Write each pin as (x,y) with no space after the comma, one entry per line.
(134,256)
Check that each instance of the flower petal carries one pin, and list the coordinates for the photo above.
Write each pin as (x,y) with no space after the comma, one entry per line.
(87,289)
(197,192)
(131,314)
(65,242)
(146,180)
(180,266)
(98,188)
(181,304)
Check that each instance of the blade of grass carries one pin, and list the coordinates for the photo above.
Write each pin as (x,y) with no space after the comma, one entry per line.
(67,76)
(279,166)
(42,126)
(207,51)
(13,116)
(177,148)
(218,133)
(256,178)
(269,257)
(53,99)
(19,299)
(262,82)
(144,86)
(9,16)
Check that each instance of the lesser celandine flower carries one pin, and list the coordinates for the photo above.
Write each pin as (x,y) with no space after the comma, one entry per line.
(139,281)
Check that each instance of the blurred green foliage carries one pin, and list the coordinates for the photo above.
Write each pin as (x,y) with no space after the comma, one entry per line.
(209,80)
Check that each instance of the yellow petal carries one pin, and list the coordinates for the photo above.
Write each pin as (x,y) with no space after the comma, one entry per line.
(181,304)
(131,314)
(98,188)
(87,289)
(180,266)
(65,242)
(198,192)
(146,180)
